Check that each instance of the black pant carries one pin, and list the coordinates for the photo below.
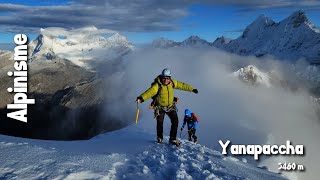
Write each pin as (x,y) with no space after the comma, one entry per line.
(174,123)
(192,133)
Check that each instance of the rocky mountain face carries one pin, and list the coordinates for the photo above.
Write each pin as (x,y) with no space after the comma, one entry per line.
(72,100)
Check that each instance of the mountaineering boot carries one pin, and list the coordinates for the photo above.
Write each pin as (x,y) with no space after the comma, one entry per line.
(159,140)
(175,142)
(195,139)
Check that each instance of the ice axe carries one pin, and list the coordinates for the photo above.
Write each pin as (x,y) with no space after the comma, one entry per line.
(137,113)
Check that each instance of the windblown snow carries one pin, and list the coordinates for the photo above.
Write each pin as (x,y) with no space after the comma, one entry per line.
(129,153)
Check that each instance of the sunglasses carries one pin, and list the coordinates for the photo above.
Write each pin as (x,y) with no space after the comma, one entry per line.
(165,78)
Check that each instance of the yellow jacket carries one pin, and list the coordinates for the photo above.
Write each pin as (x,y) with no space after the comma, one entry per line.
(166,94)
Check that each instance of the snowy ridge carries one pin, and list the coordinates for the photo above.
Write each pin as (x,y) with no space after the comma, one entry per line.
(192,41)
(221,41)
(253,76)
(195,41)
(78,45)
(163,43)
(134,155)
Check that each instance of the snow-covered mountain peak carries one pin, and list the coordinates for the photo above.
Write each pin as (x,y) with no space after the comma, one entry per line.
(224,39)
(78,45)
(163,43)
(298,19)
(192,41)
(195,41)
(221,41)
(252,75)
(262,20)
(117,36)
(118,39)
(193,38)
(161,40)
(258,26)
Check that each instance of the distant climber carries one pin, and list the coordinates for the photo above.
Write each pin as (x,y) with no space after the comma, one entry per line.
(192,122)
(164,102)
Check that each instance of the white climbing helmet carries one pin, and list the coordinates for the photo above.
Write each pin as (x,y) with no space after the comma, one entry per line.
(166,73)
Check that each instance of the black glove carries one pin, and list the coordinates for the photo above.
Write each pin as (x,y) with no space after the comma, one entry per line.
(139,99)
(195,91)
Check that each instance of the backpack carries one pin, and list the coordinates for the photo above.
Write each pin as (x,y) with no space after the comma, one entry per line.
(194,117)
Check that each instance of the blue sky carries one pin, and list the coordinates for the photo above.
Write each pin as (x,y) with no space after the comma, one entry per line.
(141,21)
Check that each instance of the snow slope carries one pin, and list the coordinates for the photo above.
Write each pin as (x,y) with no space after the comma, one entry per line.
(78,45)
(129,153)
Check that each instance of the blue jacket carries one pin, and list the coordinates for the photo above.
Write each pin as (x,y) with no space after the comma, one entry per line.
(192,121)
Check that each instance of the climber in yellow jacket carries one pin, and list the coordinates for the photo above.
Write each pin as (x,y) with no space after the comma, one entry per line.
(162,91)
